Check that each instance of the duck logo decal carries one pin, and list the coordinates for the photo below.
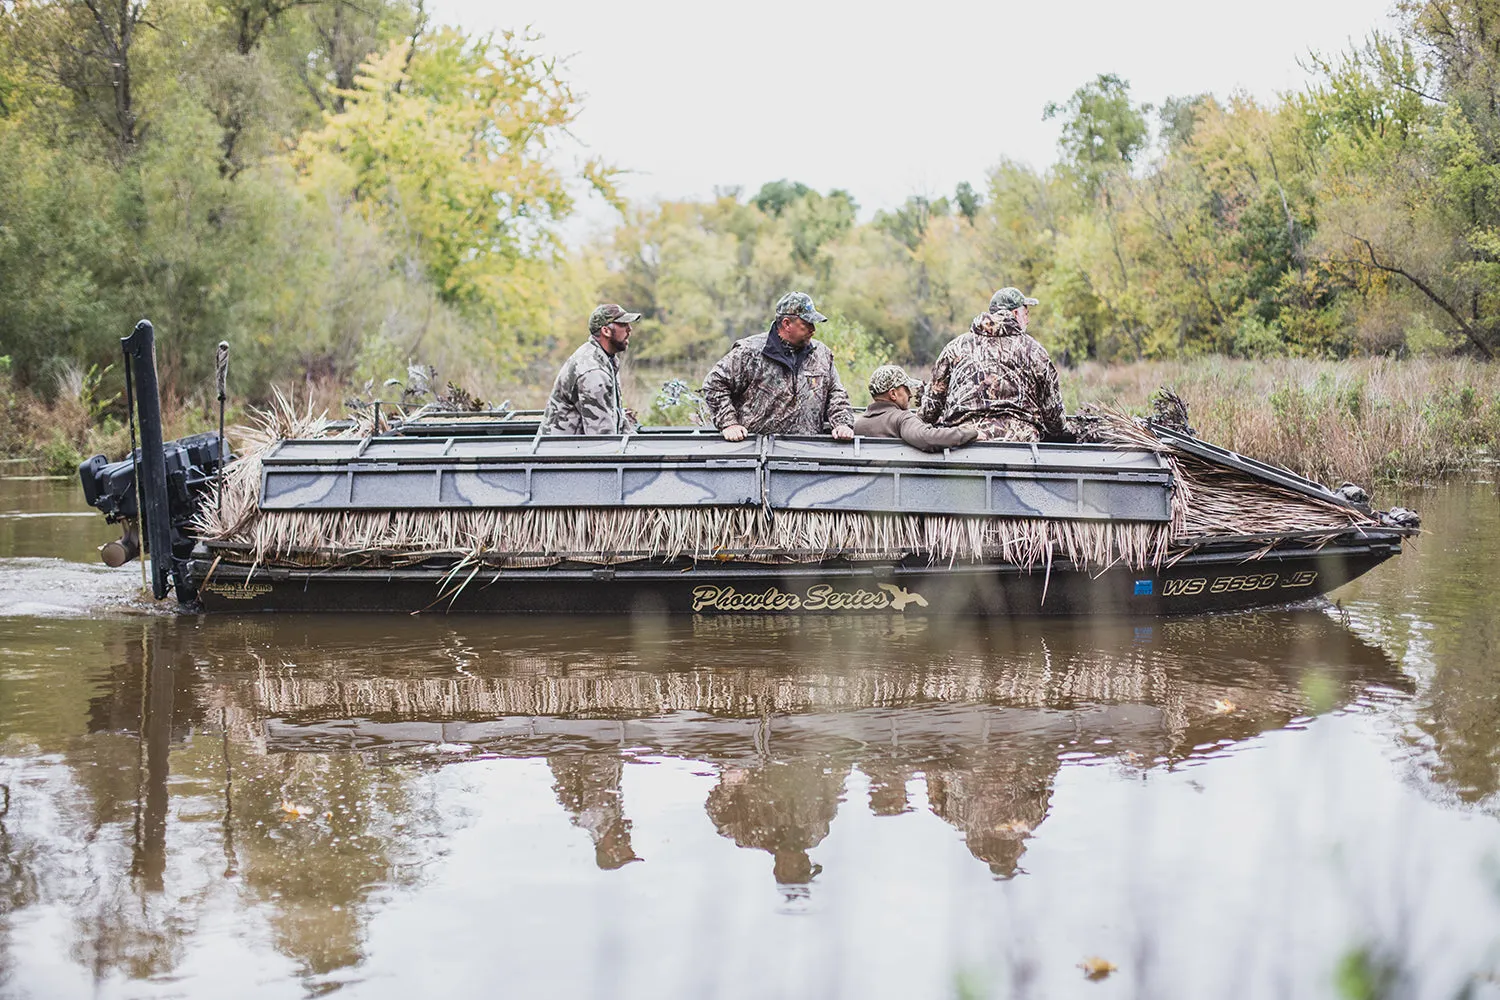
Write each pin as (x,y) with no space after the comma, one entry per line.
(901,597)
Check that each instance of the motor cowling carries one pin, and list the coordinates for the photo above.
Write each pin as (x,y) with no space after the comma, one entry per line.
(192,464)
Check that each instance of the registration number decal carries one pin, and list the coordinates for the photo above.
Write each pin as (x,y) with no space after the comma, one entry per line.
(1237,584)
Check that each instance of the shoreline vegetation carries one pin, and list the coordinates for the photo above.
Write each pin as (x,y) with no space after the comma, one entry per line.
(1372,421)
(347,195)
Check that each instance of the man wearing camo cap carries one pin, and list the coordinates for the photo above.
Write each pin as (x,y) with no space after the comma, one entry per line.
(781,381)
(997,378)
(891,392)
(586,395)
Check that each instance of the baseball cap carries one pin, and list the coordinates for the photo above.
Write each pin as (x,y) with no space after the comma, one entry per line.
(1010,298)
(887,377)
(799,304)
(607,314)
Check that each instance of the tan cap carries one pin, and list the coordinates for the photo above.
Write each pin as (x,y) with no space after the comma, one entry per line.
(887,377)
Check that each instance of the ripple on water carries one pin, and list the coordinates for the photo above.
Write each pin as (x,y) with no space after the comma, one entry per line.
(56,588)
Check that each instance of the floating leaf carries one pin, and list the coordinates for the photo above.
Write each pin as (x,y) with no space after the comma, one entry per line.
(1096,968)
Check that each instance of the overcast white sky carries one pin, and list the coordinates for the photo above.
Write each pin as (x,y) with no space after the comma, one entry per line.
(887,99)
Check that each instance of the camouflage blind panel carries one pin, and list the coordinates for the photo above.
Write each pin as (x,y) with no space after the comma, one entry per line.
(1251,467)
(870,475)
(992,478)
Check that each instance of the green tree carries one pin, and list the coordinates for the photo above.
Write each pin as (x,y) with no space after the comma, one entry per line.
(445,148)
(1412,197)
(1102,131)
(774,197)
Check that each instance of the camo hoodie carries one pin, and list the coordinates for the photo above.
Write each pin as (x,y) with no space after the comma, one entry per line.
(771,389)
(997,377)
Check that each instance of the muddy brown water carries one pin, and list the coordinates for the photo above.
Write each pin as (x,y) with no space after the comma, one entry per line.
(1265,804)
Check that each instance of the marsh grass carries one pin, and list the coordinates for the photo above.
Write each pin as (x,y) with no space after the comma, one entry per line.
(1369,420)
(1366,420)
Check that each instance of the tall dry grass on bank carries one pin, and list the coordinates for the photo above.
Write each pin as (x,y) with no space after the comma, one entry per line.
(1367,420)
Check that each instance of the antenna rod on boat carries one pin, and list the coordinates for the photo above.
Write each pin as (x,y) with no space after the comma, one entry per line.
(221,376)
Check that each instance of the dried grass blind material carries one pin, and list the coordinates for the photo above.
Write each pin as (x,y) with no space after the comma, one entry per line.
(1208,500)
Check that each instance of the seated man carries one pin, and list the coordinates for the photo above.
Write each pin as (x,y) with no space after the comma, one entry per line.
(781,381)
(586,395)
(887,415)
(997,377)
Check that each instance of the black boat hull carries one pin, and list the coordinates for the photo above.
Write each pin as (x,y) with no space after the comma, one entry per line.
(1227,579)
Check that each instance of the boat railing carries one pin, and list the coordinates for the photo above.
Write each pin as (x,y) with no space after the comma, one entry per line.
(868,475)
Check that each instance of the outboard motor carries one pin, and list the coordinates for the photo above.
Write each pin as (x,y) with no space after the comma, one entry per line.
(191,464)
(174,478)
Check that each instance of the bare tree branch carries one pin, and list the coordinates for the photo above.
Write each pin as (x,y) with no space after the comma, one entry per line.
(411,49)
(1375,263)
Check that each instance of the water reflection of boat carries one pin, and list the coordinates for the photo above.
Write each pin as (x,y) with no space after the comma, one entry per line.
(985,715)
(268,742)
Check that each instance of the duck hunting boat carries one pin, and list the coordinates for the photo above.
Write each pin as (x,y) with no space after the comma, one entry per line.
(445,511)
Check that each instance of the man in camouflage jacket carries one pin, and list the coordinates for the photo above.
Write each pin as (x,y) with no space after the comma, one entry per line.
(997,377)
(781,381)
(586,395)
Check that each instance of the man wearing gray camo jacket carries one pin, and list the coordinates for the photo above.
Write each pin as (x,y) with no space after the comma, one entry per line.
(586,395)
(781,381)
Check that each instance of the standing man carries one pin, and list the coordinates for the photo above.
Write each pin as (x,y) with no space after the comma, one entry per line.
(586,395)
(997,377)
(781,381)
(887,415)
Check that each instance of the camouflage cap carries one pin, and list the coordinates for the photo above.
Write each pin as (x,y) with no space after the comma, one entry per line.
(887,377)
(607,314)
(799,304)
(1009,299)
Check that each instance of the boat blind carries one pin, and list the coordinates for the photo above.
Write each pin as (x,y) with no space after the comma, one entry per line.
(869,475)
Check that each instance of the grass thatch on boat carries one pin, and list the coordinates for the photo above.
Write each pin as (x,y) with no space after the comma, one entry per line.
(1208,501)
(539,537)
(1211,500)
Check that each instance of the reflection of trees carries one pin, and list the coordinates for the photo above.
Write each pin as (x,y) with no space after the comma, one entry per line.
(105,835)
(783,807)
(17,887)
(588,787)
(316,837)
(86,827)
(1439,616)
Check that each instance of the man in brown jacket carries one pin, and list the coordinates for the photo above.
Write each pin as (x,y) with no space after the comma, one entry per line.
(887,415)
